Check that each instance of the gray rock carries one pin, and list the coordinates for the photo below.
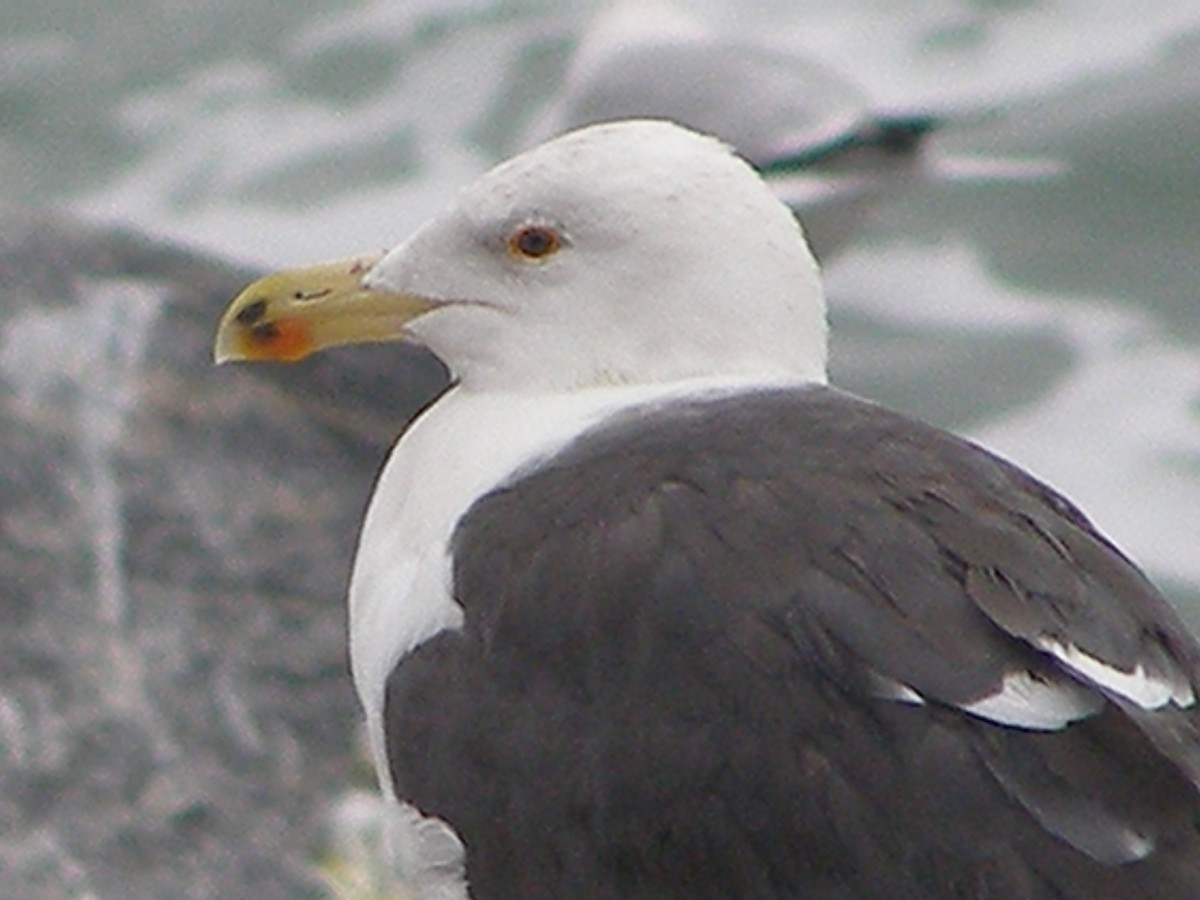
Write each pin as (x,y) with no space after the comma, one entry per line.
(176,714)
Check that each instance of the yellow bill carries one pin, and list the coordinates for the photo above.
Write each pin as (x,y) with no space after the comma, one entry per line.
(288,315)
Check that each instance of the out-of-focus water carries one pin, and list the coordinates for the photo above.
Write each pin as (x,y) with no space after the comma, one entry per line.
(1054,321)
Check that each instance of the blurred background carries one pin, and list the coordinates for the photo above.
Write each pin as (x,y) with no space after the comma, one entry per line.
(176,719)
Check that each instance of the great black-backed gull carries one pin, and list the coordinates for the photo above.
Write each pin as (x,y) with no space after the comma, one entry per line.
(642,608)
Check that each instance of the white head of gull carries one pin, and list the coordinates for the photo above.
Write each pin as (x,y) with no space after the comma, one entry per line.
(629,253)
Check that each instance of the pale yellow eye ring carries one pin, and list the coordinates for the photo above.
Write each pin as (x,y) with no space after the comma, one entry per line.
(533,242)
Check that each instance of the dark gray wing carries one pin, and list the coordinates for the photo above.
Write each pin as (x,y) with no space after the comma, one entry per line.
(791,644)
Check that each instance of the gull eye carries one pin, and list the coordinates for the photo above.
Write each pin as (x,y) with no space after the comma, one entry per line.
(532,242)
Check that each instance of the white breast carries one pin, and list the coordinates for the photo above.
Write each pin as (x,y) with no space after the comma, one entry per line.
(459,449)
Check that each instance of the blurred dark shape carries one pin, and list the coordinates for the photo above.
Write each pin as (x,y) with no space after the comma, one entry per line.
(175,710)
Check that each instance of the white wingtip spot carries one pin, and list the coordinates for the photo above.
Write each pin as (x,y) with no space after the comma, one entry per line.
(1138,686)
(1029,700)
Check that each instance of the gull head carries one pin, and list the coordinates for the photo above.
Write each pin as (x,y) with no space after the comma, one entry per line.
(631,252)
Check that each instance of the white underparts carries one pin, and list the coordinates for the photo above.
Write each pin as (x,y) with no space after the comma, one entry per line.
(427,855)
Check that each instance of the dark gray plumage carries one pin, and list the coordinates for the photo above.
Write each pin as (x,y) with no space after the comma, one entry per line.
(669,679)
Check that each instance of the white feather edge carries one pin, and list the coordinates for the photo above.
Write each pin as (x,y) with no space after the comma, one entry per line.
(1047,702)
(1138,686)
(1024,700)
(1032,701)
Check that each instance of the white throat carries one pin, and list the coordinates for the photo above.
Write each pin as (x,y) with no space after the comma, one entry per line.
(465,445)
